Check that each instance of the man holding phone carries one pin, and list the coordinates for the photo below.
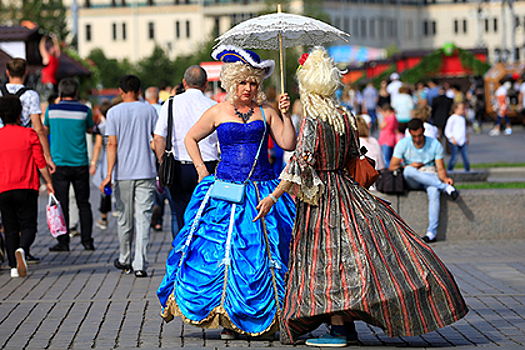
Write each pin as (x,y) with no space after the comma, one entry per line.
(424,168)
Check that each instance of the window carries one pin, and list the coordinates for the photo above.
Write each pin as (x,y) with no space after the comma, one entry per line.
(363,27)
(456,26)
(410,28)
(425,28)
(151,2)
(217,26)
(87,4)
(113,3)
(123,3)
(337,22)
(486,25)
(151,30)
(123,31)
(356,27)
(346,24)
(372,27)
(88,32)
(434,28)
(177,29)
(465,27)
(187,29)
(516,22)
(114,31)
(381,27)
(517,54)
(495,25)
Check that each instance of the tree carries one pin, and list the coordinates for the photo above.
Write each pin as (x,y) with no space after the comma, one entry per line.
(157,67)
(110,69)
(50,15)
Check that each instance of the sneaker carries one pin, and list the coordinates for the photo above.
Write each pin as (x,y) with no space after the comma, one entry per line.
(327,340)
(508,131)
(494,132)
(88,246)
(73,232)
(126,268)
(21,265)
(141,273)
(14,272)
(454,195)
(59,248)
(228,334)
(427,239)
(102,224)
(32,260)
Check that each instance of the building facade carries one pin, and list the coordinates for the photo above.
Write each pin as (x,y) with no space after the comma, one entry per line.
(131,28)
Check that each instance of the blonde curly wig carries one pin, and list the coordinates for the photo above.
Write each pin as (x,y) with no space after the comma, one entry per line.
(318,80)
(234,73)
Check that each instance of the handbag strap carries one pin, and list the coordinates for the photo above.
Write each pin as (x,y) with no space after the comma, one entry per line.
(260,146)
(361,150)
(170,125)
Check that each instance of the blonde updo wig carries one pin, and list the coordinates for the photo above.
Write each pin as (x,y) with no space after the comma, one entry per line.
(232,74)
(318,80)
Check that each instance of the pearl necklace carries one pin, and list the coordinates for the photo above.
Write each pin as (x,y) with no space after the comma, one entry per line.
(244,116)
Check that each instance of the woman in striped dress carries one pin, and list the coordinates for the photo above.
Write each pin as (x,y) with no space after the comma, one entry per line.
(351,256)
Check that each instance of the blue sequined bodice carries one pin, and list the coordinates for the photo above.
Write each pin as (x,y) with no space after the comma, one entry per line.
(239,144)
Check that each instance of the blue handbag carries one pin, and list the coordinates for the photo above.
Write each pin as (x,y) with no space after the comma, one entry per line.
(231,191)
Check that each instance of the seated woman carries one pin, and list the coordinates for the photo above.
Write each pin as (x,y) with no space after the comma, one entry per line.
(224,268)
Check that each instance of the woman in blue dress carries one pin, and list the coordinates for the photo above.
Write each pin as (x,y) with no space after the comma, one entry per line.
(225,269)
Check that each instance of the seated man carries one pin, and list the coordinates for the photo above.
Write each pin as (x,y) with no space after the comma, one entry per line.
(424,168)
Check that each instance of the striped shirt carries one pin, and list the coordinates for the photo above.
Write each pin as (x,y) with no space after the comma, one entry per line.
(68,122)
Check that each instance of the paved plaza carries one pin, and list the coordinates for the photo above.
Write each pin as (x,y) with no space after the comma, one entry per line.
(78,300)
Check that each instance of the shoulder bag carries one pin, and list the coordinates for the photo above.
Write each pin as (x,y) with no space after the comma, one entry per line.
(362,168)
(167,167)
(391,181)
(231,191)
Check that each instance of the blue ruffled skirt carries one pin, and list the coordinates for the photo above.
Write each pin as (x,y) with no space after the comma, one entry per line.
(220,273)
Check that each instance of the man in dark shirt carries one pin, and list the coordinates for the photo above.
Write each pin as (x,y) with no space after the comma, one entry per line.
(441,106)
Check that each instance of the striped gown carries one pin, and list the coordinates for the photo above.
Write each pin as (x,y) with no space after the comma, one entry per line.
(351,254)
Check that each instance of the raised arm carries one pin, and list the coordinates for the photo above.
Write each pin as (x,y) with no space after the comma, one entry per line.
(56,44)
(43,50)
(204,127)
(282,130)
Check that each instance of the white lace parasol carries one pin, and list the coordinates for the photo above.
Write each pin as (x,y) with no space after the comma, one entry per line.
(263,32)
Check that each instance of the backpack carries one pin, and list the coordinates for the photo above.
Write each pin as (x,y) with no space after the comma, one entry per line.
(19,93)
(5,92)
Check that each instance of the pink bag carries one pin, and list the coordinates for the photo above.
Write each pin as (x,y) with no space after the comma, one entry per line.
(55,217)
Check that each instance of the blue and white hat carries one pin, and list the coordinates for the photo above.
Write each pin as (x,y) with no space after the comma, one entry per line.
(232,54)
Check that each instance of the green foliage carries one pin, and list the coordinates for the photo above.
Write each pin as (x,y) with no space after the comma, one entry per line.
(391,50)
(50,15)
(429,65)
(383,76)
(314,9)
(270,6)
(110,69)
(489,185)
(469,61)
(157,67)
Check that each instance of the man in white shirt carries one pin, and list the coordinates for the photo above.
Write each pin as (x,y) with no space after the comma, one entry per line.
(393,87)
(187,108)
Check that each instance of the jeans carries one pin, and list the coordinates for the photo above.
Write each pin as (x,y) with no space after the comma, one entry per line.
(135,208)
(499,118)
(79,177)
(454,155)
(432,184)
(19,210)
(181,191)
(387,153)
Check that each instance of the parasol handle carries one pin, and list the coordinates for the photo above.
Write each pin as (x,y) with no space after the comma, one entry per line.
(281,58)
